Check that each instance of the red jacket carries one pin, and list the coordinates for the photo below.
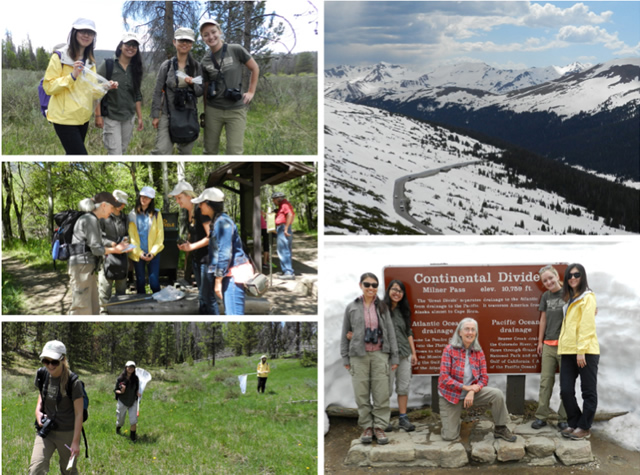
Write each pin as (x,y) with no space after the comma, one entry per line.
(452,372)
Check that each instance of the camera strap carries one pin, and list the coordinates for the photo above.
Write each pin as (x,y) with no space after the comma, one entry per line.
(219,66)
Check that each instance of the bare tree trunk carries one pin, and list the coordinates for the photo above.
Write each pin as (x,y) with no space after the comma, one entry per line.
(50,201)
(7,232)
(165,187)
(168,27)
(18,212)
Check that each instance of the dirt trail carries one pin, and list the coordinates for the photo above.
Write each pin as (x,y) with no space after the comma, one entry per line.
(49,293)
(45,292)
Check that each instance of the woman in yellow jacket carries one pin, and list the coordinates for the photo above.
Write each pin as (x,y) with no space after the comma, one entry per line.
(72,90)
(146,233)
(263,373)
(578,345)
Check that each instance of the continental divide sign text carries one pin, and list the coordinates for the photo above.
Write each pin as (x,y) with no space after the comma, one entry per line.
(503,299)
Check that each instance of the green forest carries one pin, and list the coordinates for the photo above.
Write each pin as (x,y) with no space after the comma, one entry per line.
(193,418)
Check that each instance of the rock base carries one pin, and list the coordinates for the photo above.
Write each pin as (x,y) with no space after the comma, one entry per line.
(422,448)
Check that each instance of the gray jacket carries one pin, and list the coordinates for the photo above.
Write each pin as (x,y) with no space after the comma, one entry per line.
(354,322)
(87,232)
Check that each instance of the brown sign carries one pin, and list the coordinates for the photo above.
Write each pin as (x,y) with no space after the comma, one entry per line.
(503,299)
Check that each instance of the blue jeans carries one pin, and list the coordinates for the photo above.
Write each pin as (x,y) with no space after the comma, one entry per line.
(204,280)
(154,274)
(233,295)
(284,245)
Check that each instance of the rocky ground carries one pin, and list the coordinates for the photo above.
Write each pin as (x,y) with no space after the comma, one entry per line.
(342,446)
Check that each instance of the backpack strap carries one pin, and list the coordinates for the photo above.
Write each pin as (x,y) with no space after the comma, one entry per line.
(109,63)
(73,377)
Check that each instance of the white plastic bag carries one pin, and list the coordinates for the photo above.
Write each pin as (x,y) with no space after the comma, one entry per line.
(89,89)
(196,80)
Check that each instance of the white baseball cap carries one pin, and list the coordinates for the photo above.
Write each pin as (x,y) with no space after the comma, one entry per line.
(263,356)
(184,34)
(208,21)
(148,192)
(53,349)
(130,36)
(121,196)
(210,194)
(130,363)
(180,187)
(84,24)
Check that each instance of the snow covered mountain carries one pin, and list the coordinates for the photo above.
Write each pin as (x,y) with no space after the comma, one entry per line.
(588,116)
(367,150)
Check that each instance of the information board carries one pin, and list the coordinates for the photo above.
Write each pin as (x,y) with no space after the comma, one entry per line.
(503,299)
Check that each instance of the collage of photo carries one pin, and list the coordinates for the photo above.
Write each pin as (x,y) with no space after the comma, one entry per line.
(415,252)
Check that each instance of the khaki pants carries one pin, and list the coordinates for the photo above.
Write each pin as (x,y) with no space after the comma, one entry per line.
(43,450)
(450,413)
(234,122)
(84,290)
(116,135)
(105,287)
(370,379)
(121,412)
(402,377)
(164,145)
(550,361)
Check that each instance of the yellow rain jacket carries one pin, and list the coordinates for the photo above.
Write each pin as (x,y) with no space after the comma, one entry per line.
(263,370)
(71,100)
(578,333)
(155,238)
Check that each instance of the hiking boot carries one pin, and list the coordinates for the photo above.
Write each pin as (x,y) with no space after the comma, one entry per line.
(133,435)
(580,434)
(389,428)
(405,423)
(367,436)
(381,436)
(538,424)
(118,430)
(567,432)
(562,425)
(503,432)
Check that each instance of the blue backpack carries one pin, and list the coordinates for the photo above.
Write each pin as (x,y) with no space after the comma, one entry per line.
(44,97)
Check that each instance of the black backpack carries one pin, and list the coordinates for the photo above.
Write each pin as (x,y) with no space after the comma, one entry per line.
(61,248)
(116,266)
(42,378)
(104,110)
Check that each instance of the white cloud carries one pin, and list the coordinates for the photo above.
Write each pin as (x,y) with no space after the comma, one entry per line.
(596,35)
(552,16)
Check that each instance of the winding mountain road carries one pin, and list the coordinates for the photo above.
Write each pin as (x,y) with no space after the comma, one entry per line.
(400,200)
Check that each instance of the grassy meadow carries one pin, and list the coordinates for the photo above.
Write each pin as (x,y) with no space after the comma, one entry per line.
(282,119)
(193,420)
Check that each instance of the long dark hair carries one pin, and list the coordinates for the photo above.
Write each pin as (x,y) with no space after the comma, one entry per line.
(568,292)
(380,305)
(151,209)
(136,65)
(74,47)
(403,305)
(218,209)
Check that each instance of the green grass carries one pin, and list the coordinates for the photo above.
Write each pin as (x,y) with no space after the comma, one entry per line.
(12,297)
(282,119)
(193,419)
(35,253)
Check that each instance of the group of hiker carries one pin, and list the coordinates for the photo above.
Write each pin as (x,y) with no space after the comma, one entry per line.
(62,407)
(377,348)
(73,84)
(105,239)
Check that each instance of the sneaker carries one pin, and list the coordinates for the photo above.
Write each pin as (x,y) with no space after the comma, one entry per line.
(389,428)
(538,424)
(503,432)
(405,423)
(381,436)
(288,277)
(562,425)
(367,436)
(580,434)
(567,432)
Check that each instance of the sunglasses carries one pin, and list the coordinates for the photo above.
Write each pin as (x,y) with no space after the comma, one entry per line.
(370,284)
(53,363)
(574,275)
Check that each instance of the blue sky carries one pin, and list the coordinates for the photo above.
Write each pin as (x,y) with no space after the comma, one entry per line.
(51,22)
(503,34)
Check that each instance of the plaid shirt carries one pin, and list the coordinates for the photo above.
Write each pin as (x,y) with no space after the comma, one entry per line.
(452,372)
